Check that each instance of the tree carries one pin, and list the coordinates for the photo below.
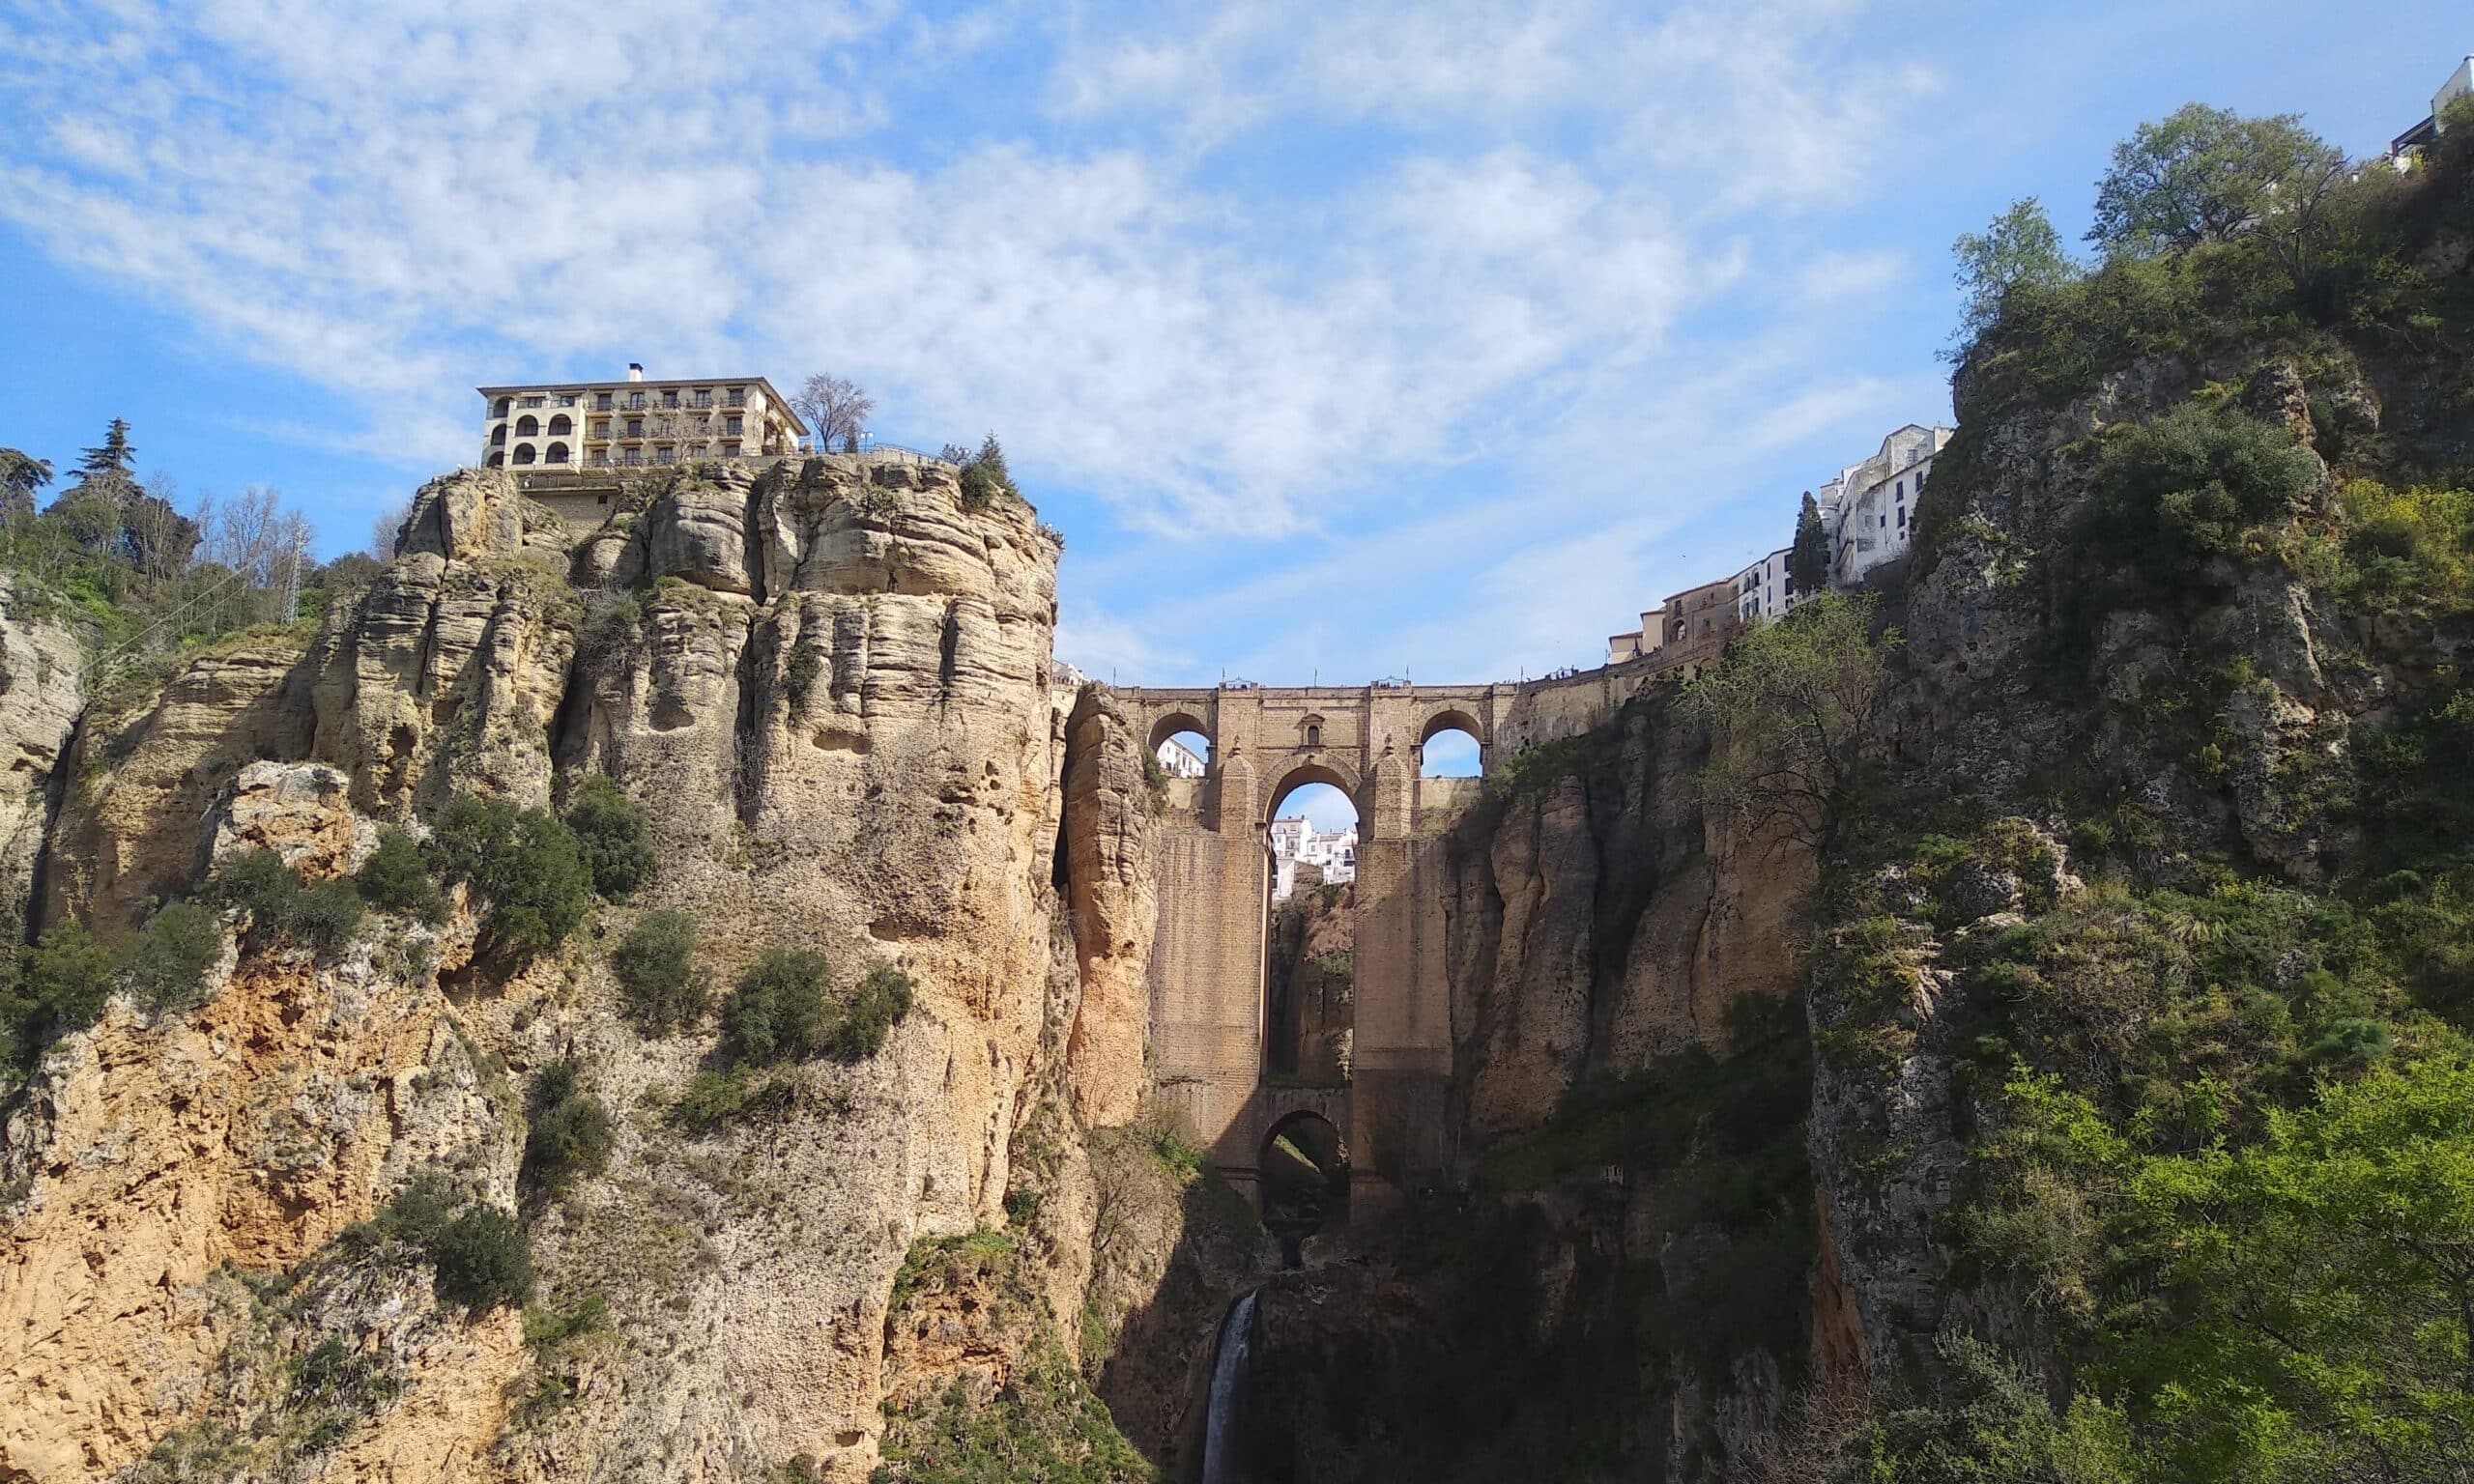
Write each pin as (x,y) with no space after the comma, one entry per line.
(387,529)
(21,473)
(1792,709)
(835,410)
(1808,559)
(613,835)
(778,1012)
(2017,250)
(523,860)
(2209,174)
(655,966)
(113,455)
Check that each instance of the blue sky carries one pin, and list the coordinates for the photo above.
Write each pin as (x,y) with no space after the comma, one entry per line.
(1342,341)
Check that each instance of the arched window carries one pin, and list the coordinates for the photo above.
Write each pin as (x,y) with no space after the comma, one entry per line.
(497,459)
(560,426)
(555,453)
(498,436)
(524,453)
(527,426)
(499,408)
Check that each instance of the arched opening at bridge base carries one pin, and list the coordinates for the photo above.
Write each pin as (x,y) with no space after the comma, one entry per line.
(1310,933)
(1449,747)
(1304,1183)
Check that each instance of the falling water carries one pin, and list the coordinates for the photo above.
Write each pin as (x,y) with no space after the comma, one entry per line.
(1228,1370)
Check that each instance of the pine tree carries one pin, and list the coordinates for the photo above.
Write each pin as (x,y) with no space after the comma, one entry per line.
(114,455)
(1808,559)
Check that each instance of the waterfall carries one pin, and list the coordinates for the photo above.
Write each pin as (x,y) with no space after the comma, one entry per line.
(1228,1370)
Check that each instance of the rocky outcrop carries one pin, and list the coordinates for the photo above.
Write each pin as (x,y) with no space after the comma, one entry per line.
(137,822)
(1111,831)
(446,673)
(43,689)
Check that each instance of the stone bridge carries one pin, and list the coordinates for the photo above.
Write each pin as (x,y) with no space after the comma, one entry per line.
(1208,1026)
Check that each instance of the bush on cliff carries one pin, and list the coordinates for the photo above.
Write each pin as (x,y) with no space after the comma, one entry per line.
(396,878)
(659,981)
(571,1133)
(782,1011)
(614,835)
(480,1253)
(321,916)
(61,982)
(523,862)
(168,959)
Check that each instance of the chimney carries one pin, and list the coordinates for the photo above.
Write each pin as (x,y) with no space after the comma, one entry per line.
(635,370)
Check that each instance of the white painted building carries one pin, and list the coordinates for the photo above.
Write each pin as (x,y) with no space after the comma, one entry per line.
(1869,510)
(1295,843)
(1765,590)
(1181,761)
(2411,143)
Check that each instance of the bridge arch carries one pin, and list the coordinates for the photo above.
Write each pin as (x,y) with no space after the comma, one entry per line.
(1301,1180)
(1317,771)
(1452,719)
(1170,723)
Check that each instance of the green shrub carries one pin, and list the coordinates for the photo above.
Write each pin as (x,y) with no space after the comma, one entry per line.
(167,963)
(483,1260)
(879,1002)
(2180,489)
(613,835)
(62,982)
(395,878)
(321,916)
(658,978)
(523,862)
(571,1139)
(713,1099)
(778,1012)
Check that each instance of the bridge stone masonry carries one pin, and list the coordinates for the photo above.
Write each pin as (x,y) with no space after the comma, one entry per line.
(1208,1030)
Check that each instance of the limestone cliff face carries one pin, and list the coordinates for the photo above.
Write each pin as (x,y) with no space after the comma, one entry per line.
(1601,920)
(151,1154)
(43,689)
(830,684)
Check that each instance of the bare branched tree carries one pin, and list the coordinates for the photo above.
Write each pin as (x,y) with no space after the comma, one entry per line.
(835,410)
(388,529)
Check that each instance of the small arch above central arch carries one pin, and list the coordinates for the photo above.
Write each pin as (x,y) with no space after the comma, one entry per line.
(1170,723)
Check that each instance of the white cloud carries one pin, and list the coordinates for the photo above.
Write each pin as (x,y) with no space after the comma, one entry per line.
(1143,288)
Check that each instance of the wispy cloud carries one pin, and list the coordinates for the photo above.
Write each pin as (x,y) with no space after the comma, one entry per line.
(1258,272)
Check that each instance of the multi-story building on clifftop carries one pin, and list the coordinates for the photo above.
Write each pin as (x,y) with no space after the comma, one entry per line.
(635,423)
(1869,510)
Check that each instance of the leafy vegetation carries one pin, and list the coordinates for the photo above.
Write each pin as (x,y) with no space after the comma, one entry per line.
(480,1253)
(614,835)
(282,908)
(659,981)
(782,1011)
(523,862)
(1792,710)
(571,1133)
(396,878)
(170,955)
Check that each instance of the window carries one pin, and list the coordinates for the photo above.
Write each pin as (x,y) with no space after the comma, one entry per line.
(567,399)
(632,457)
(635,427)
(635,400)
(532,401)
(697,451)
(562,423)
(602,401)
(703,396)
(601,460)
(1314,736)
(603,501)
(527,427)
(601,427)
(732,425)
(736,396)
(499,408)
(670,398)
(730,451)
(662,454)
